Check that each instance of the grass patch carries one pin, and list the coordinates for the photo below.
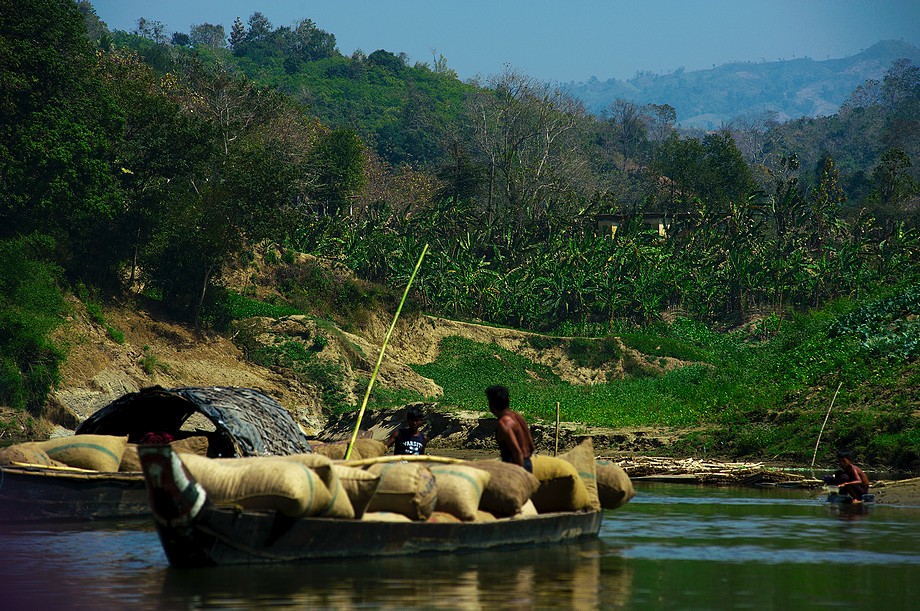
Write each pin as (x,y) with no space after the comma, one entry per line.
(242,307)
(465,368)
(94,310)
(150,363)
(656,344)
(303,361)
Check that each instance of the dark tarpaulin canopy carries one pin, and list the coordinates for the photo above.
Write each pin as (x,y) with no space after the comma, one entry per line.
(248,422)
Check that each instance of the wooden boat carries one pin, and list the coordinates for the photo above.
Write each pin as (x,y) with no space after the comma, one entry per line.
(47,493)
(196,533)
(245,423)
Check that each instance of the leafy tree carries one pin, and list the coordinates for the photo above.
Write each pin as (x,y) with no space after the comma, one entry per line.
(386,60)
(240,196)
(337,162)
(630,129)
(208,35)
(56,121)
(237,33)
(727,178)
(894,186)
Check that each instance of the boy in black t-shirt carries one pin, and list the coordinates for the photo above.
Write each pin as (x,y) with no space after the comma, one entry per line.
(409,440)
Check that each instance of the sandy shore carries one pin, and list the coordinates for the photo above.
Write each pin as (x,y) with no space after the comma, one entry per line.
(901,492)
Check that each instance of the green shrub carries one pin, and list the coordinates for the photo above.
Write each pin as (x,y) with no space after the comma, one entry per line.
(31,307)
(242,307)
(150,363)
(594,353)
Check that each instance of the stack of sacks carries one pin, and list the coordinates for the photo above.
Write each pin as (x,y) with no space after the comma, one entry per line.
(405,488)
(190,445)
(91,452)
(298,486)
(613,485)
(509,489)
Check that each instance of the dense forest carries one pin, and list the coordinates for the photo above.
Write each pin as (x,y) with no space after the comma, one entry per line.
(144,163)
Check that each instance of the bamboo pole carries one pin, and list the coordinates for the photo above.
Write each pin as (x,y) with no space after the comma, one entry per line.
(426,458)
(383,348)
(556,451)
(828,415)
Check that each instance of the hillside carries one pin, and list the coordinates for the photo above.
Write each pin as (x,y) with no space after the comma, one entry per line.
(157,351)
(794,88)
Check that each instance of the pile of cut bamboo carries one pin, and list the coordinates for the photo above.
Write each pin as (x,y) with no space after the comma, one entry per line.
(692,470)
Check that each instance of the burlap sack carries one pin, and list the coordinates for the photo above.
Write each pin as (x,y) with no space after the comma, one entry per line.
(384,516)
(460,488)
(443,517)
(197,444)
(527,511)
(94,452)
(406,488)
(582,458)
(261,483)
(369,448)
(613,485)
(484,516)
(359,485)
(28,453)
(560,487)
(509,487)
(341,506)
(336,451)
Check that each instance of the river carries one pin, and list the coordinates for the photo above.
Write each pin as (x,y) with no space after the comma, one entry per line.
(672,547)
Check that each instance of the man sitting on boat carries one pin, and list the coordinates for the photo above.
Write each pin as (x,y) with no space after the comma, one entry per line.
(851,480)
(411,439)
(513,435)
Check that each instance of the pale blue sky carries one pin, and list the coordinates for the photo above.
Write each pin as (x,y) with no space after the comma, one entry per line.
(564,41)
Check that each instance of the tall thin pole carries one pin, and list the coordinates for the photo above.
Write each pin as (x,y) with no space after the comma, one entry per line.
(828,415)
(556,451)
(383,348)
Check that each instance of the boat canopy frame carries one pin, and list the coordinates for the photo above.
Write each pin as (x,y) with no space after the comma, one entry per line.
(247,422)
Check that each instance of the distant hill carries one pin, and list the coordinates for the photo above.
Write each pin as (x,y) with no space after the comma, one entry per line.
(708,98)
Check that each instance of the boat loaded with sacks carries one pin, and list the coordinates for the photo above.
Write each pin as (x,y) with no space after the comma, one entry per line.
(95,473)
(311,507)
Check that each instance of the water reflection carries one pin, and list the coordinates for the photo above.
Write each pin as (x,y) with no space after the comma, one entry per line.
(565,576)
(671,547)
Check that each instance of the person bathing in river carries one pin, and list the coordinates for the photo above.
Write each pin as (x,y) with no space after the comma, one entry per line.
(852,480)
(513,435)
(409,440)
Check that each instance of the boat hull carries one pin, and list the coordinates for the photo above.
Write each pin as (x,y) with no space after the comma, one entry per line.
(29,494)
(221,536)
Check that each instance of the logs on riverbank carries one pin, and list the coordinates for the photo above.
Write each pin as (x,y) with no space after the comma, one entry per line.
(697,471)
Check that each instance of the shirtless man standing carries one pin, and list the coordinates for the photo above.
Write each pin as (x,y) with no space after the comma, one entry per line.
(512,434)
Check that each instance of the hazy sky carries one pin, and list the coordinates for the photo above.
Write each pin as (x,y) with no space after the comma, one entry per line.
(564,40)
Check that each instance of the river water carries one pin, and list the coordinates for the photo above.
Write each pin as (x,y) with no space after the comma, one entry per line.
(672,547)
